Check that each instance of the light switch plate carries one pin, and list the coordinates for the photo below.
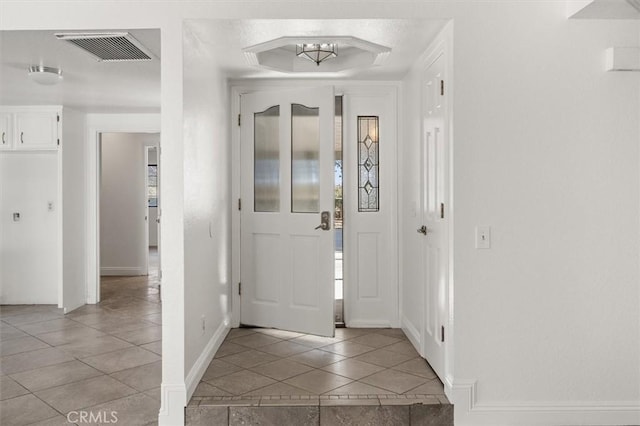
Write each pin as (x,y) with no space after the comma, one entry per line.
(483,237)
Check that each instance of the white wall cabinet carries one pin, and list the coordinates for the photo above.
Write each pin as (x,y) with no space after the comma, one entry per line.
(30,128)
(6,133)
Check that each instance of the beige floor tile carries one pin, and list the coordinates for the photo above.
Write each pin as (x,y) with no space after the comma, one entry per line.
(313,401)
(205,389)
(318,381)
(359,388)
(418,367)
(393,380)
(432,387)
(280,334)
(155,347)
(142,335)
(121,360)
(55,375)
(256,340)
(21,344)
(154,393)
(70,335)
(94,346)
(47,326)
(229,348)
(316,341)
(403,347)
(350,333)
(31,360)
(32,317)
(135,410)
(383,358)
(85,393)
(349,401)
(241,382)
(154,318)
(353,369)
(8,332)
(347,348)
(24,410)
(393,332)
(375,340)
(250,358)
(317,358)
(281,369)
(278,389)
(121,325)
(284,349)
(141,378)
(9,388)
(239,332)
(53,421)
(427,400)
(218,368)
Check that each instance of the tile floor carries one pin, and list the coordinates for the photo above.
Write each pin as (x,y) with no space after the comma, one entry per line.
(268,367)
(99,358)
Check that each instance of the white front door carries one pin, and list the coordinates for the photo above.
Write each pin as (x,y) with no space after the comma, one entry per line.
(434,184)
(287,187)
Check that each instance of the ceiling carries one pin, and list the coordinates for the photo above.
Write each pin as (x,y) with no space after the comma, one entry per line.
(407,39)
(93,86)
(88,85)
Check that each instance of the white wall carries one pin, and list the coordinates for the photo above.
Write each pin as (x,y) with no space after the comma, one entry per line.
(30,248)
(123,198)
(207,206)
(546,153)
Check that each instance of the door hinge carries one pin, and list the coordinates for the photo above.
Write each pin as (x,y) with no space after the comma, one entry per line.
(442,333)
(58,118)
(239,119)
(58,142)
(239,203)
(239,289)
(441,87)
(441,210)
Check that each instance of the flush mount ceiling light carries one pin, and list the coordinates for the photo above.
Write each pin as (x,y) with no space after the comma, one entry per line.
(47,76)
(317,52)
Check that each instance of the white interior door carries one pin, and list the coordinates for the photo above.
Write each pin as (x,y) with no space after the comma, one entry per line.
(433,195)
(287,161)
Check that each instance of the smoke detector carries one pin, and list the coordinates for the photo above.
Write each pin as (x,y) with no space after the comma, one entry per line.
(109,47)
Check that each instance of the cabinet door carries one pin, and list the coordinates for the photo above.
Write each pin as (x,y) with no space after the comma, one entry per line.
(36,130)
(6,135)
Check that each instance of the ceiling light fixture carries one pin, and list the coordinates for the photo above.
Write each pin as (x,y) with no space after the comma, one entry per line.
(317,52)
(47,76)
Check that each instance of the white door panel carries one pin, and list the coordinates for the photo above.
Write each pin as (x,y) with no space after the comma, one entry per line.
(287,269)
(433,195)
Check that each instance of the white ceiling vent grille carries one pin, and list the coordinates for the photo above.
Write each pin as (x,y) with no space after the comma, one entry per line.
(109,47)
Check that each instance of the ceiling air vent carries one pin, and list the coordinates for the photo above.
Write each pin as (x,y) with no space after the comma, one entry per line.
(109,47)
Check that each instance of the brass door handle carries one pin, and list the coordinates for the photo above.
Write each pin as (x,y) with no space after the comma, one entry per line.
(422,230)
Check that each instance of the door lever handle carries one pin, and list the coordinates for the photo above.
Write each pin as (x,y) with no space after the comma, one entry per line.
(422,230)
(325,218)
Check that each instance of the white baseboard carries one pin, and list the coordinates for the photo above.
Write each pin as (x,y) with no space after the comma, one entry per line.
(203,361)
(368,324)
(121,271)
(174,400)
(412,334)
(468,411)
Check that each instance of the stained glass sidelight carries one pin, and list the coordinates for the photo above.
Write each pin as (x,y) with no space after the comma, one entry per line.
(266,174)
(368,164)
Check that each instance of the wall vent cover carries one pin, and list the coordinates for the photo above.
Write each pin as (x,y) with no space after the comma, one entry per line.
(109,47)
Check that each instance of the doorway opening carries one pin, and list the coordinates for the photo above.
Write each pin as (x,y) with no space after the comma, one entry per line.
(338,218)
(128,201)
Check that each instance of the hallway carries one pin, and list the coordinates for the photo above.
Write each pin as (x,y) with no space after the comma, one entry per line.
(102,360)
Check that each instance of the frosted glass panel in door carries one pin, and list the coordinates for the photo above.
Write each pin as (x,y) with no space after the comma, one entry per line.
(266,189)
(305,159)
